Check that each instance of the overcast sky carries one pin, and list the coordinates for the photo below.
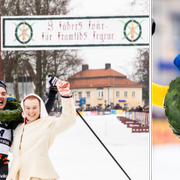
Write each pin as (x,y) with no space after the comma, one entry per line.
(120,57)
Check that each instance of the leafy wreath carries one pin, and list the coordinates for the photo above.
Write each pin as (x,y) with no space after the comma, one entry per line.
(172,106)
(12,111)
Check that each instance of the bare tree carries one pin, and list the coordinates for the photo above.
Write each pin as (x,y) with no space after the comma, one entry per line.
(51,61)
(141,72)
(60,63)
(15,10)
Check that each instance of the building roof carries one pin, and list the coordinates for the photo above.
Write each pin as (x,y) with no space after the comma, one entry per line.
(100,78)
(89,73)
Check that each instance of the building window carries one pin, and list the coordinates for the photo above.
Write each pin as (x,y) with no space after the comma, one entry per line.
(88,94)
(133,94)
(117,94)
(125,94)
(100,94)
(79,94)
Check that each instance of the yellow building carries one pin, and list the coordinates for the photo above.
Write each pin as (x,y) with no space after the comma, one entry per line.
(104,87)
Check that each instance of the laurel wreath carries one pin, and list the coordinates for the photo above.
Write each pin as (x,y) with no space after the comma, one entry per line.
(172,106)
(12,111)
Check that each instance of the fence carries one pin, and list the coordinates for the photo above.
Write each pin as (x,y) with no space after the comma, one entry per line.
(140,117)
(134,125)
(138,121)
(94,113)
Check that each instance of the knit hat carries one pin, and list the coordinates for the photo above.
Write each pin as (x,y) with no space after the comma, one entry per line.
(3,85)
(43,111)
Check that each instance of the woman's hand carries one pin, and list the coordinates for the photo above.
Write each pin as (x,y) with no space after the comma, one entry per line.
(63,88)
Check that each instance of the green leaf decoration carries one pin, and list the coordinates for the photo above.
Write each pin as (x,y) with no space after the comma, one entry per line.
(172,106)
(12,111)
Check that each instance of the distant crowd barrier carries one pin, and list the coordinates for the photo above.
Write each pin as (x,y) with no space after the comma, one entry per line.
(95,113)
(134,125)
(138,121)
(140,117)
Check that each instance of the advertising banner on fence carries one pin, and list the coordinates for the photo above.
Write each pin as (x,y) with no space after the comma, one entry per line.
(59,32)
(86,113)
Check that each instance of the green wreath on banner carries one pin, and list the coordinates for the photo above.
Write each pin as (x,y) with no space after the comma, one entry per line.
(140,29)
(16,34)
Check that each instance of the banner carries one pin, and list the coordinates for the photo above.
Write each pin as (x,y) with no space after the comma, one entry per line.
(86,113)
(80,112)
(119,111)
(113,111)
(59,32)
(94,113)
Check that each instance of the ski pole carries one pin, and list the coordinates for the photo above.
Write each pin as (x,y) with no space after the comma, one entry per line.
(103,145)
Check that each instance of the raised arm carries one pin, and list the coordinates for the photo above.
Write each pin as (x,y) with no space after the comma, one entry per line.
(68,116)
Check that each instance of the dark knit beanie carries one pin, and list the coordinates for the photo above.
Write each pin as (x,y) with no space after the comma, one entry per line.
(3,85)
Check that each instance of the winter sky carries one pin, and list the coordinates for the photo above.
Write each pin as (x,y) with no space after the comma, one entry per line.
(121,58)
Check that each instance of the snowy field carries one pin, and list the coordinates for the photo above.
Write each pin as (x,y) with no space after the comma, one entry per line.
(166,162)
(77,154)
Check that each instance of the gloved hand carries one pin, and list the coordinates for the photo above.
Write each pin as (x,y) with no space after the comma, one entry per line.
(52,83)
(177,62)
(63,88)
(52,80)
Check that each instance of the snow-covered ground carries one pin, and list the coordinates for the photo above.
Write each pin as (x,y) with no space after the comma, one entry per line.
(77,154)
(166,162)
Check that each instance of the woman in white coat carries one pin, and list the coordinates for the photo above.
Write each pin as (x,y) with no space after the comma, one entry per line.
(34,137)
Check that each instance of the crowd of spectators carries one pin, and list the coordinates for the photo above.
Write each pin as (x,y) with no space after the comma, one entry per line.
(117,106)
(57,111)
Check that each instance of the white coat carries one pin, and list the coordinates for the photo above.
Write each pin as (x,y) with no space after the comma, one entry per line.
(30,157)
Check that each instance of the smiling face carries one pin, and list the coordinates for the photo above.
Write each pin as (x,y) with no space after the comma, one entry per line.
(3,98)
(32,109)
